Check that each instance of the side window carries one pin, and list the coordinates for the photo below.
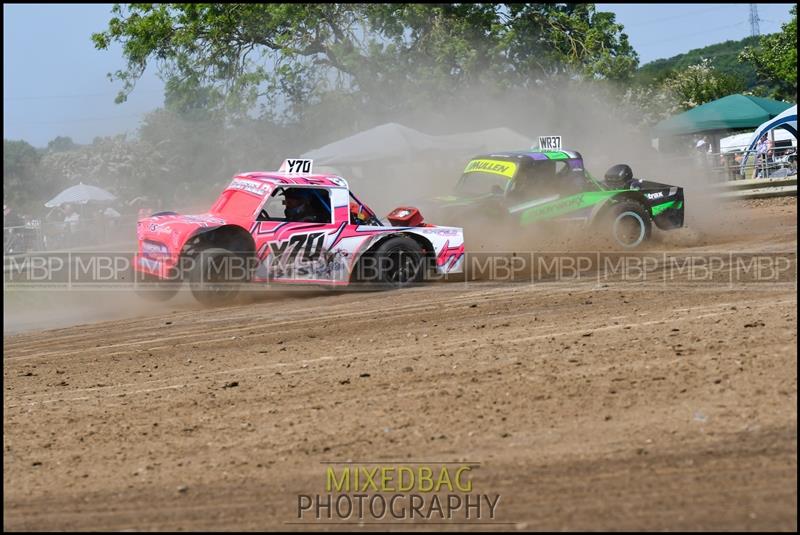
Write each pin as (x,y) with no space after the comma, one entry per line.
(541,179)
(562,169)
(312,205)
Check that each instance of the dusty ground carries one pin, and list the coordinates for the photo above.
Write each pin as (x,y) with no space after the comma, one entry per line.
(597,404)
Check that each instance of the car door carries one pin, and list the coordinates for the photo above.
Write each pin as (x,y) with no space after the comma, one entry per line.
(546,190)
(296,249)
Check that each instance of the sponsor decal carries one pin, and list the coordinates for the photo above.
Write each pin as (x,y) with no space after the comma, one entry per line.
(531,204)
(160,228)
(572,202)
(656,195)
(657,209)
(563,206)
(153,247)
(438,231)
(204,220)
(250,186)
(497,167)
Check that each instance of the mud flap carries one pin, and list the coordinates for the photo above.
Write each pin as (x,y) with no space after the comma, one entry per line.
(670,217)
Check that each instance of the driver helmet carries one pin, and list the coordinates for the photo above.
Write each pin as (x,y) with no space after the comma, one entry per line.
(297,203)
(619,175)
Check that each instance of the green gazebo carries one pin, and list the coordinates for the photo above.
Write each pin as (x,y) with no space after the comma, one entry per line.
(734,112)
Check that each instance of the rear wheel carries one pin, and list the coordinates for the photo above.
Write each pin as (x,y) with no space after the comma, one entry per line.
(216,276)
(396,263)
(629,224)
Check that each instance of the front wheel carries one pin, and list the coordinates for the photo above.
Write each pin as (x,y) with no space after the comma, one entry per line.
(629,224)
(216,276)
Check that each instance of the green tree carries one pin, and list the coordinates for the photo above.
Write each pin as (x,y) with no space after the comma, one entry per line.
(723,56)
(61,143)
(547,40)
(775,60)
(701,83)
(228,57)
(22,182)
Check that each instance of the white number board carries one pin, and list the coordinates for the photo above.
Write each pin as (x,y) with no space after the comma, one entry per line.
(550,142)
(296,166)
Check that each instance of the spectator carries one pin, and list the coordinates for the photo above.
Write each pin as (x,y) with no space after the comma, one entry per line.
(55,215)
(702,145)
(763,155)
(12,237)
(10,218)
(111,213)
(71,218)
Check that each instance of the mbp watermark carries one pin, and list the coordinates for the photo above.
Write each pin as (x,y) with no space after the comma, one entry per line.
(385,492)
(123,270)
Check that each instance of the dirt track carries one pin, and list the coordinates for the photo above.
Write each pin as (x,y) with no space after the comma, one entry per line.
(613,405)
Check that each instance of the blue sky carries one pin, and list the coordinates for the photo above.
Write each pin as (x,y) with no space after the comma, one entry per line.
(54,81)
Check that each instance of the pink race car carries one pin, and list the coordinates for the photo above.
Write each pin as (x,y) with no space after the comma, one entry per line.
(289,226)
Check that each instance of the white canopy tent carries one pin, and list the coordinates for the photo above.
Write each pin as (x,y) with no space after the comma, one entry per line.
(740,142)
(493,139)
(387,141)
(393,142)
(392,164)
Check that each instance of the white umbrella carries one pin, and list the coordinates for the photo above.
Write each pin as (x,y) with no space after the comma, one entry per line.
(80,194)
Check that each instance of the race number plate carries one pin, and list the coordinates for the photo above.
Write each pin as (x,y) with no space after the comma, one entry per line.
(550,142)
(296,166)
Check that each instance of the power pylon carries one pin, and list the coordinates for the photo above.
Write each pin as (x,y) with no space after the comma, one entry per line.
(754,20)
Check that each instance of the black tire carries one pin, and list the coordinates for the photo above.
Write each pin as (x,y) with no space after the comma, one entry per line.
(628,224)
(215,278)
(156,290)
(395,263)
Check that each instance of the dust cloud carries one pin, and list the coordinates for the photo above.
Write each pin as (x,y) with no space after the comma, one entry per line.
(601,127)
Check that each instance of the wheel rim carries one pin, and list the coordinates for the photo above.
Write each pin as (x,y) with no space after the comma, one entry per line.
(629,229)
(405,271)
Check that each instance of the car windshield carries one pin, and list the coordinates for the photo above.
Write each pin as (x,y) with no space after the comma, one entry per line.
(236,203)
(472,184)
(486,176)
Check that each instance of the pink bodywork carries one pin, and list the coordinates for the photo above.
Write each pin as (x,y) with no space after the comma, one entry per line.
(337,244)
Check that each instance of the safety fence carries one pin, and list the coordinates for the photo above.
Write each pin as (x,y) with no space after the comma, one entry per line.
(759,188)
(728,165)
(36,235)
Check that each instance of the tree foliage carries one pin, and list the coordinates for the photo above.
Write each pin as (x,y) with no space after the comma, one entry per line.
(61,143)
(775,59)
(126,167)
(701,83)
(722,56)
(228,57)
(21,182)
